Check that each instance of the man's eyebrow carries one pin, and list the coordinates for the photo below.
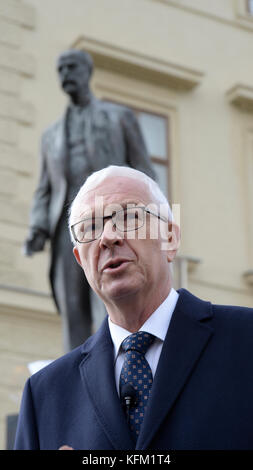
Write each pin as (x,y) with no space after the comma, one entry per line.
(123,205)
(130,203)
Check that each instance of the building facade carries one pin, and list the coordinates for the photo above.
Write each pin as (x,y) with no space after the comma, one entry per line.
(186,68)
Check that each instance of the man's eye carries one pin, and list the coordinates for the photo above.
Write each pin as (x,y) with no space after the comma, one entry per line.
(132,215)
(90,226)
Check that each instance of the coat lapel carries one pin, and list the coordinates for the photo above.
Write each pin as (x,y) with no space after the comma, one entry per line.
(97,372)
(185,341)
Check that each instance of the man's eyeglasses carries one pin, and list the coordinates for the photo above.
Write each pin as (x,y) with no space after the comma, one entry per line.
(125,220)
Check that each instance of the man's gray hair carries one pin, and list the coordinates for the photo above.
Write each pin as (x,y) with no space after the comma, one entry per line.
(96,178)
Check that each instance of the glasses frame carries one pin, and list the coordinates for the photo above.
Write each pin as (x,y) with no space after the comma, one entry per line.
(112,216)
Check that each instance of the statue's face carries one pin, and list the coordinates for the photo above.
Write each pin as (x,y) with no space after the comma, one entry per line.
(73,73)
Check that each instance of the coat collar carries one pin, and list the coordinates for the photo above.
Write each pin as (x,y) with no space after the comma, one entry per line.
(97,372)
(186,339)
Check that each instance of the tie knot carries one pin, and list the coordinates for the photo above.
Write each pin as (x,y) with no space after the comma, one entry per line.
(139,341)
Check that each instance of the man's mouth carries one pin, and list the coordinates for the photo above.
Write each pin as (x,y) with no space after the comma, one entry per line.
(115,265)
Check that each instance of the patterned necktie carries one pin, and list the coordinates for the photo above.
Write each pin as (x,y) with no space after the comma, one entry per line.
(136,372)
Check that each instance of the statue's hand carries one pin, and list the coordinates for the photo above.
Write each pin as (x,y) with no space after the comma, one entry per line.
(35,242)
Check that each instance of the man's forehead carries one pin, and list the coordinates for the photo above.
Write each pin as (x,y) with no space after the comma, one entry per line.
(114,192)
(115,189)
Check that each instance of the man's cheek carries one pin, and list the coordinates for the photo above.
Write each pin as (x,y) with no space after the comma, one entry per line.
(90,270)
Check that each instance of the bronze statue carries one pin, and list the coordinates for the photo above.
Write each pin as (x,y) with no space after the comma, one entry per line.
(91,135)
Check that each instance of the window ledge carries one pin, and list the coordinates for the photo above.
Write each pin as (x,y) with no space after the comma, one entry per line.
(241,95)
(139,66)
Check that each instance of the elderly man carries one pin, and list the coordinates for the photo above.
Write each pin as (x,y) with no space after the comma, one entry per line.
(91,135)
(166,370)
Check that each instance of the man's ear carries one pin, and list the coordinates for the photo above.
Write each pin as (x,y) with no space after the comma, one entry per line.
(76,255)
(173,241)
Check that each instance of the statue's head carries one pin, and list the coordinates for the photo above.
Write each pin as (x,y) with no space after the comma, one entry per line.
(74,69)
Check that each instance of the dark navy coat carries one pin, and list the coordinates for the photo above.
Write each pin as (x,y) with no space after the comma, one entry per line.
(201,398)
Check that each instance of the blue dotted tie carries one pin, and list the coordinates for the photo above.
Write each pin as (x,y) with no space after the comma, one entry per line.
(136,372)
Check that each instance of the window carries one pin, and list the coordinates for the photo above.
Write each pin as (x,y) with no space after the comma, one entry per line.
(244,13)
(155,132)
(250,6)
(154,129)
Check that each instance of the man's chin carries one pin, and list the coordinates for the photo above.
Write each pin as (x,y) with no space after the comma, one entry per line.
(118,293)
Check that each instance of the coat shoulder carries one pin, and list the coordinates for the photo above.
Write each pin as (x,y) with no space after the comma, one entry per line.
(66,368)
(234,314)
(203,309)
(62,368)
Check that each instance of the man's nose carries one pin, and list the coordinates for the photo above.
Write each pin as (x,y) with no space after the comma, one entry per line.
(111,236)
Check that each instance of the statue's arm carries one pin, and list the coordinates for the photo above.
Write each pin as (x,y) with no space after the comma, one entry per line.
(39,215)
(137,155)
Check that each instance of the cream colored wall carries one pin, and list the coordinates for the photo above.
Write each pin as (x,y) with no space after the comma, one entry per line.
(210,143)
(210,179)
(26,337)
(30,329)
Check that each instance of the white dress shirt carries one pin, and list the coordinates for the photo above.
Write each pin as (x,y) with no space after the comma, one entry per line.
(157,324)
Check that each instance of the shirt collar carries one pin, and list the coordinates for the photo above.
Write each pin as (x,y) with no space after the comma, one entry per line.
(157,324)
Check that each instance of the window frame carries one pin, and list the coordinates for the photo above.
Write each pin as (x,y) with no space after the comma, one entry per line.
(154,158)
(249,7)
